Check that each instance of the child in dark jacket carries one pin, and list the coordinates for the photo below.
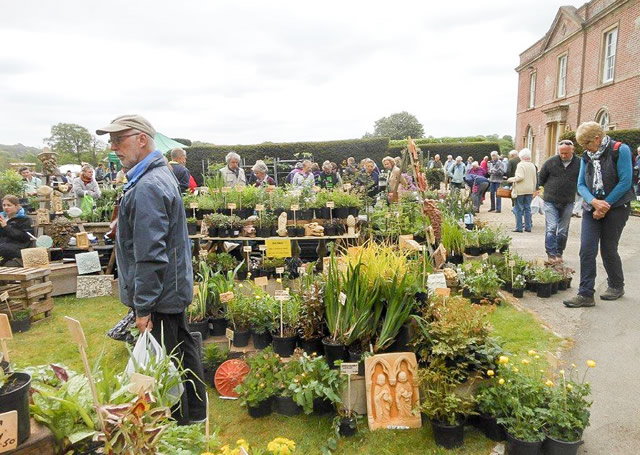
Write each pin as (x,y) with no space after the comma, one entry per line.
(15,227)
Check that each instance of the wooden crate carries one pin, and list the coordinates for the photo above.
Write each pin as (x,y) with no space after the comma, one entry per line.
(27,288)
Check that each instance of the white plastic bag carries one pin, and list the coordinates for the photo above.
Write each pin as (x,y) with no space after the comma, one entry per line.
(148,351)
(537,205)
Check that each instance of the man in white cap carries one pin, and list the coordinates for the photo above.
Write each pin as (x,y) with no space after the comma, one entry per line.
(154,253)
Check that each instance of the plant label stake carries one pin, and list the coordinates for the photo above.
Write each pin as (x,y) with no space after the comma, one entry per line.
(349,369)
(231,206)
(193,206)
(247,249)
(280,271)
(4,297)
(294,209)
(512,264)
(485,256)
(206,426)
(444,293)
(262,281)
(281,295)
(330,206)
(302,271)
(229,334)
(8,431)
(5,334)
(260,209)
(78,336)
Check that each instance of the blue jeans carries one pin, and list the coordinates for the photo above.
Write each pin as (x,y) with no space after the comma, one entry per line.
(496,202)
(606,232)
(523,210)
(557,218)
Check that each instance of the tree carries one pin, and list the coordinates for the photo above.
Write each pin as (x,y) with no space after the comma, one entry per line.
(399,126)
(70,139)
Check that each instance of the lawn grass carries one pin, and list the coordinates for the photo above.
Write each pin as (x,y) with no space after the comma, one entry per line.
(49,342)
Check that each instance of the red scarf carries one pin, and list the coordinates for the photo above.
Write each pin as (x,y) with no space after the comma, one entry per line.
(86,181)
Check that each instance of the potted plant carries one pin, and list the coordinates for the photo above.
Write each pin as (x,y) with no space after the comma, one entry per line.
(20,321)
(567,412)
(317,389)
(452,238)
(331,227)
(239,314)
(442,405)
(266,223)
(14,396)
(290,373)
(285,334)
(217,225)
(489,410)
(566,274)
(263,318)
(518,286)
(483,283)
(192,226)
(212,358)
(487,240)
(545,278)
(346,423)
(398,304)
(219,283)
(311,323)
(472,243)
(258,388)
(197,311)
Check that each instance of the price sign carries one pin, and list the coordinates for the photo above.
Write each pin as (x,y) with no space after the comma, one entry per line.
(295,207)
(8,431)
(348,368)
(279,270)
(262,247)
(512,263)
(4,296)
(5,328)
(225,189)
(226,297)
(342,298)
(331,204)
(231,206)
(205,190)
(277,248)
(282,295)
(485,256)
(246,249)
(229,334)
(76,331)
(193,205)
(261,281)
(259,207)
(443,292)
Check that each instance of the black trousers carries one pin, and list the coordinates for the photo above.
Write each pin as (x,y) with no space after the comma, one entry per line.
(606,233)
(172,329)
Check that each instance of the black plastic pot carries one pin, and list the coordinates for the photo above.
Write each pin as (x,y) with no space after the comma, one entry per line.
(305,214)
(299,231)
(401,343)
(284,346)
(518,293)
(208,375)
(472,250)
(192,228)
(312,346)
(556,447)
(324,213)
(286,406)
(331,229)
(354,211)
(235,232)
(455,259)
(491,428)
(562,285)
(14,396)
(507,286)
(333,352)
(466,292)
(263,232)
(448,436)
(201,327)
(531,286)
(544,290)
(292,231)
(56,255)
(554,287)
(504,249)
(517,446)
(214,230)
(354,353)
(217,327)
(20,326)
(224,232)
(241,275)
(241,338)
(347,426)
(261,340)
(263,409)
(226,212)
(322,406)
(568,283)
(341,212)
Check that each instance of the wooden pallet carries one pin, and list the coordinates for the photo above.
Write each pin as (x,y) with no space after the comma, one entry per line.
(28,288)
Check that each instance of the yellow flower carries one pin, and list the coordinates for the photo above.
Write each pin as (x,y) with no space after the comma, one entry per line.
(549,383)
(240,285)
(501,381)
(286,289)
(537,357)
(516,370)
(490,373)
(569,387)
(531,352)
(573,365)
(525,362)
(561,372)
(503,360)
(591,363)
(278,280)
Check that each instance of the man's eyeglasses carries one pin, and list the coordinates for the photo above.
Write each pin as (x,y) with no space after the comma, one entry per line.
(565,142)
(118,139)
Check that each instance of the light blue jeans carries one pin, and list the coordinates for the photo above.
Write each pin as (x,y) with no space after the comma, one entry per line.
(522,210)
(557,218)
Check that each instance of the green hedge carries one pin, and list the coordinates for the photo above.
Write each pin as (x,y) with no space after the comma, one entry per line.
(477,150)
(629,137)
(337,151)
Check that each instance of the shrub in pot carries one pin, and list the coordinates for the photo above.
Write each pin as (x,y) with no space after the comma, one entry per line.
(285,334)
(489,410)
(518,286)
(398,303)
(290,373)
(192,226)
(258,388)
(197,312)
(212,357)
(263,318)
(311,322)
(238,313)
(442,405)
(14,396)
(266,222)
(483,281)
(21,321)
(545,278)
(318,388)
(346,423)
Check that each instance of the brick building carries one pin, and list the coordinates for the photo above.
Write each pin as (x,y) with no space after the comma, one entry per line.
(586,67)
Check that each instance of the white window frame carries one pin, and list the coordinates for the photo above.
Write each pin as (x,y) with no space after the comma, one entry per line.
(602,115)
(532,90)
(562,76)
(530,138)
(609,55)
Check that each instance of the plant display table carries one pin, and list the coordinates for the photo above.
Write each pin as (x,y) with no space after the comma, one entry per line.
(28,288)
(41,442)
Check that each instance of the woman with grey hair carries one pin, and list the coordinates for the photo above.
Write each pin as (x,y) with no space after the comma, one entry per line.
(328,178)
(261,178)
(305,176)
(525,182)
(232,173)
(86,185)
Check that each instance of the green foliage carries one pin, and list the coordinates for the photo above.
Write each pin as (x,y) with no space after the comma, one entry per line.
(261,383)
(72,141)
(213,355)
(399,301)
(185,440)
(399,126)
(452,235)
(400,218)
(337,151)
(239,311)
(311,322)
(290,316)
(11,183)
(465,149)
(547,275)
(434,178)
(221,262)
(316,380)
(265,312)
(567,413)
(482,280)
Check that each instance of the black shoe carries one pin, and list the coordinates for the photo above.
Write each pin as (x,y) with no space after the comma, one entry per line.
(579,301)
(498,211)
(515,230)
(612,293)
(527,230)
(492,210)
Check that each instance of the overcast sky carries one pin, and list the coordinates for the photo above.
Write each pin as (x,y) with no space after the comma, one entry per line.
(246,72)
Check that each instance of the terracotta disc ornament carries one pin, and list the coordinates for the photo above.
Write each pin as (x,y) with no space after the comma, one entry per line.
(229,375)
